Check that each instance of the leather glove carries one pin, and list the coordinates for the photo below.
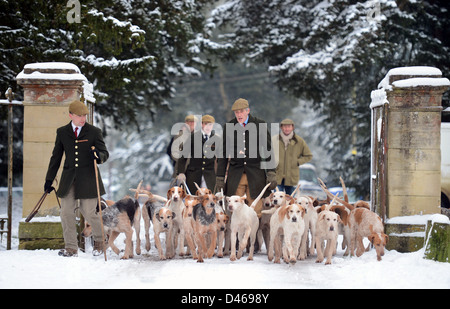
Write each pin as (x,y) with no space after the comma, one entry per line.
(181,178)
(48,186)
(271,178)
(220,183)
(95,155)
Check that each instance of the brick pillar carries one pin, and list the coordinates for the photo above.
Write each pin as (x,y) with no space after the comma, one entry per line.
(48,90)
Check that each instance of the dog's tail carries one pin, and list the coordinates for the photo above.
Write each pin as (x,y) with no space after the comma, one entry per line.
(138,189)
(259,196)
(270,211)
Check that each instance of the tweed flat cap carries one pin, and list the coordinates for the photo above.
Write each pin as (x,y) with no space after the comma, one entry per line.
(208,119)
(190,118)
(78,108)
(239,104)
(287,121)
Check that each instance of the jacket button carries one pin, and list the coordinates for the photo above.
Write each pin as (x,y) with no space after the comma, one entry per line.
(76,165)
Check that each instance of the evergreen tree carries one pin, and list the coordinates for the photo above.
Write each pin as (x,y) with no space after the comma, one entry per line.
(333,53)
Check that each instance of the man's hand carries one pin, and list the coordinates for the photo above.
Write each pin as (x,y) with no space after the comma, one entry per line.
(272,179)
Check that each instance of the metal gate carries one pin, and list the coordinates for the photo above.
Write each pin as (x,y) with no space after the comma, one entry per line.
(8,219)
(379,152)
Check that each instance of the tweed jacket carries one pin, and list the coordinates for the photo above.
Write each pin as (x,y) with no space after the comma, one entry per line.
(245,154)
(78,165)
(201,161)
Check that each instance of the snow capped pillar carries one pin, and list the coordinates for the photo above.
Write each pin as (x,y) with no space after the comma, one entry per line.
(406,155)
(48,90)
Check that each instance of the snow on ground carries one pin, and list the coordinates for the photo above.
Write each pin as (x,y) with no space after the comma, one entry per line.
(44,269)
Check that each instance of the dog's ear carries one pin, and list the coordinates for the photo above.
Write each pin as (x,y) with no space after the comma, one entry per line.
(200,199)
(302,209)
(314,201)
(386,239)
(169,193)
(243,197)
(183,194)
(173,215)
(283,212)
(158,215)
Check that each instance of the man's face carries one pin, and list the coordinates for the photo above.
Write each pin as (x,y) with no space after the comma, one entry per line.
(77,120)
(241,114)
(191,125)
(207,127)
(287,128)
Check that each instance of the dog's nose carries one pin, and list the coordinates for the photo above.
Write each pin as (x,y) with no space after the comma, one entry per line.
(165,225)
(294,219)
(211,204)
(275,202)
(331,228)
(222,228)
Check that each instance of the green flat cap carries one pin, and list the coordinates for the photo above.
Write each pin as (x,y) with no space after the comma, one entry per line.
(78,108)
(239,104)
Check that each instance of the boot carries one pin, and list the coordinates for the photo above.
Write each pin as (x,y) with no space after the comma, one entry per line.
(68,252)
(98,248)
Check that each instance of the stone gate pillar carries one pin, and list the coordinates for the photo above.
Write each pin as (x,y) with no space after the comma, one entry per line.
(413,170)
(406,154)
(48,90)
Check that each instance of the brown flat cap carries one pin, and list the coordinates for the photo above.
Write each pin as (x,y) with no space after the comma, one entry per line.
(78,108)
(239,104)
(208,119)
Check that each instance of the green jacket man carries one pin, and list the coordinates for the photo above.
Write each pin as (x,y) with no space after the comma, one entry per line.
(292,152)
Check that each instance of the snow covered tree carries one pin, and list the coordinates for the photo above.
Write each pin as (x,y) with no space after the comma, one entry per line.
(333,53)
(132,51)
(129,50)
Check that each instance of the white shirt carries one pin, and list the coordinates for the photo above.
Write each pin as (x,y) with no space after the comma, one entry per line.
(73,128)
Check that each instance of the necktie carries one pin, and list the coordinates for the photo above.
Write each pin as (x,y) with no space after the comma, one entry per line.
(76,132)
(206,137)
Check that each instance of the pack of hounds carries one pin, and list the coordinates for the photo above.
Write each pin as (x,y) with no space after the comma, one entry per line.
(292,227)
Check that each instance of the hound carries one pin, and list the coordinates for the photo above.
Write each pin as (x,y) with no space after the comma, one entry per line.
(344,213)
(270,205)
(288,221)
(264,222)
(326,229)
(222,206)
(146,215)
(163,220)
(188,223)
(175,196)
(310,219)
(222,223)
(244,223)
(205,223)
(118,218)
(366,223)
